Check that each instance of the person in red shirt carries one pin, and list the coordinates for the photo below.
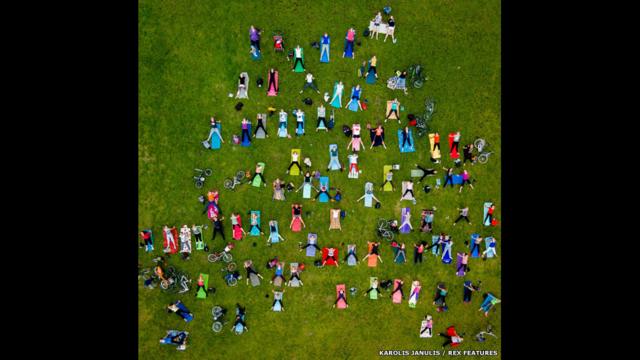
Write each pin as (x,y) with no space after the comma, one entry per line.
(436,141)
(490,214)
(452,337)
(417,252)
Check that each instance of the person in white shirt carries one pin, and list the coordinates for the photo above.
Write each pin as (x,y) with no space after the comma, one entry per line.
(309,83)
(376,25)
(294,161)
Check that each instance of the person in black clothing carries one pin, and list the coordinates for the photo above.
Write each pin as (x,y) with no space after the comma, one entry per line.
(399,288)
(427,172)
(217,228)
(448,177)
(341,296)
(323,189)
(405,136)
(260,125)
(467,153)
(272,80)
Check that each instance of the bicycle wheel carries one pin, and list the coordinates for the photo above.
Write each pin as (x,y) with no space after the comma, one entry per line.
(240,175)
(232,281)
(217,326)
(213,258)
(418,84)
(207,172)
(199,184)
(382,223)
(483,158)
(216,310)
(479,144)
(228,184)
(164,284)
(231,266)
(226,257)
(388,235)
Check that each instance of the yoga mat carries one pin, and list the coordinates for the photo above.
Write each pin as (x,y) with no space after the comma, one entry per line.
(256,55)
(272,91)
(415,294)
(257,181)
(487,244)
(295,169)
(397,297)
(334,221)
(336,101)
(260,134)
(400,259)
(485,210)
(405,229)
(351,258)
(311,250)
(434,154)
(424,332)
(237,230)
(476,251)
(246,140)
(455,154)
(173,246)
(243,94)
(297,225)
(446,253)
(277,296)
(385,170)
(457,179)
(215,139)
(330,261)
(488,302)
(324,56)
(274,236)
(409,195)
(282,125)
(371,77)
(406,148)
(435,249)
(348,48)
(354,105)
(417,173)
(458,262)
(373,294)
(299,66)
(293,268)
(354,172)
(201,293)
(254,229)
(149,247)
(299,125)
(323,198)
(393,115)
(372,260)
(334,162)
(255,280)
(306,191)
(341,304)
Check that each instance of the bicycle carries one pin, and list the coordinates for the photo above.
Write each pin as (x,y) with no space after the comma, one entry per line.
(201,177)
(224,255)
(231,278)
(480,145)
(416,78)
(218,313)
(480,336)
(384,229)
(175,281)
(230,183)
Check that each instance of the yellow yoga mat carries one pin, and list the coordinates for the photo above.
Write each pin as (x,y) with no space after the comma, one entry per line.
(434,154)
(385,170)
(295,170)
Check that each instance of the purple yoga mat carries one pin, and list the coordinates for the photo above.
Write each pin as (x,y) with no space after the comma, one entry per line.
(458,262)
(405,228)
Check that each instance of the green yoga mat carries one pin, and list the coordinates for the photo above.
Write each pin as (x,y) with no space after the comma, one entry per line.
(257,181)
(299,66)
(199,245)
(201,293)
(373,294)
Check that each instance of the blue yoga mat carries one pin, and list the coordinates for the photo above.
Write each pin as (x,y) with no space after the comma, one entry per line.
(446,253)
(324,56)
(486,304)
(254,229)
(353,105)
(476,251)
(371,77)
(306,191)
(486,207)
(299,126)
(348,48)
(246,140)
(187,314)
(406,148)
(273,236)
(323,198)
(487,244)
(337,102)
(257,55)
(215,139)
(436,249)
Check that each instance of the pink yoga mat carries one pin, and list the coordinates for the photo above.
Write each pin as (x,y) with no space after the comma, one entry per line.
(397,297)
(341,304)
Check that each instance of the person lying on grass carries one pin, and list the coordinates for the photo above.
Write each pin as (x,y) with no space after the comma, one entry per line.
(341,296)
(374,287)
(331,254)
(297,214)
(374,250)
(258,172)
(248,265)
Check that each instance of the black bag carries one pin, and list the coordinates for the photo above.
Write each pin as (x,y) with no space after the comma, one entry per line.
(366,32)
(427,188)
(206,248)
(308,101)
(346,130)
(377,205)
(317,263)
(259,82)
(315,44)
(239,106)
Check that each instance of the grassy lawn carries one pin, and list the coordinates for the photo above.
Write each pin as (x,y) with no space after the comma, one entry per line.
(190,55)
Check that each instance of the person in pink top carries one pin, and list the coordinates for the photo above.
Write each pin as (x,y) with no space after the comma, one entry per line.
(465,180)
(200,285)
(349,49)
(464,263)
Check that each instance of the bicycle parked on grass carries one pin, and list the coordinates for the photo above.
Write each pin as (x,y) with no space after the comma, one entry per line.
(225,255)
(384,229)
(422,122)
(415,76)
(480,145)
(218,313)
(230,183)
(201,177)
(175,281)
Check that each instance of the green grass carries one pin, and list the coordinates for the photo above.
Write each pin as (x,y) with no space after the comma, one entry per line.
(190,54)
